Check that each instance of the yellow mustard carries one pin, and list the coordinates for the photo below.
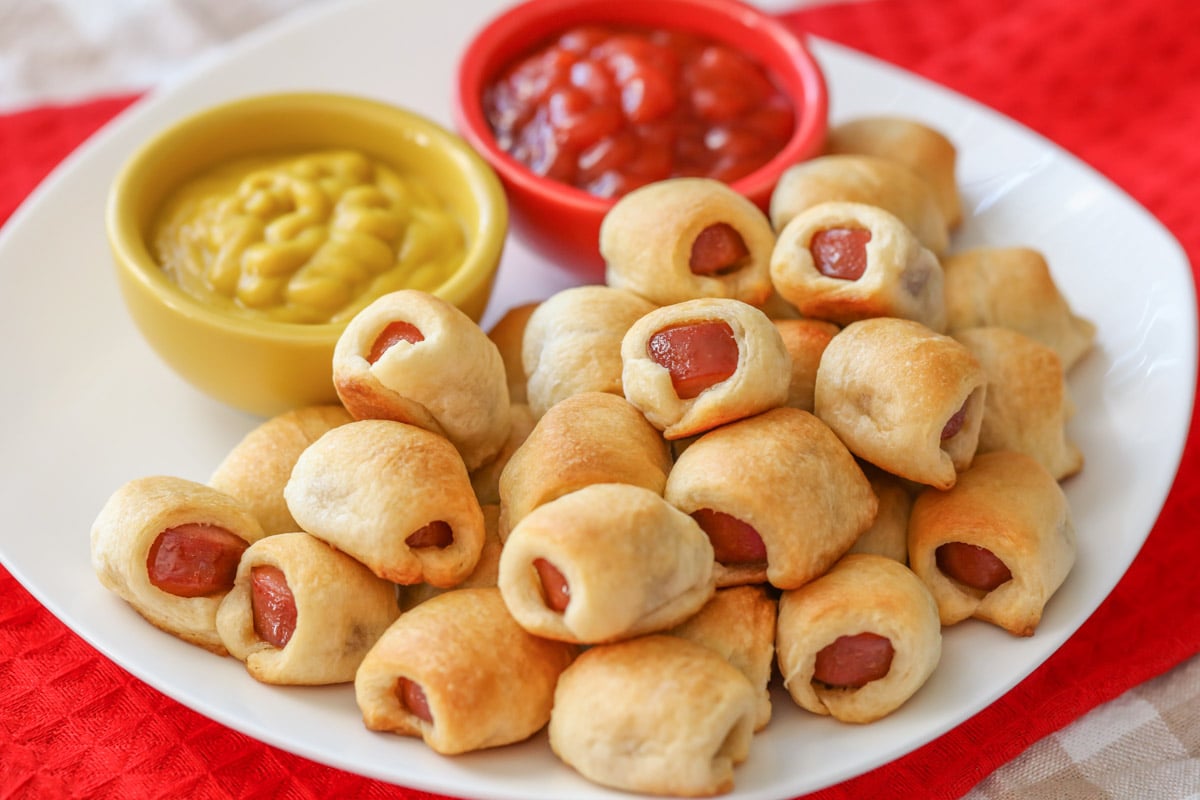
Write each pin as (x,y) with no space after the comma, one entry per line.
(309,238)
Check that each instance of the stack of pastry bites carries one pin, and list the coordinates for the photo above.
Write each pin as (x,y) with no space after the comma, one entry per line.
(810,438)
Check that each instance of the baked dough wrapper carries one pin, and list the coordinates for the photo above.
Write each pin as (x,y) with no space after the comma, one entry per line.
(888,534)
(646,241)
(508,334)
(1028,401)
(634,565)
(805,340)
(572,343)
(486,480)
(341,610)
(258,467)
(902,278)
(592,437)
(854,178)
(887,387)
(1010,505)
(863,593)
(487,682)
(453,383)
(787,475)
(127,527)
(656,714)
(760,381)
(485,574)
(366,486)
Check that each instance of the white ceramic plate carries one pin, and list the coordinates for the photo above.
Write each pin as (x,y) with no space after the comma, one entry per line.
(85,405)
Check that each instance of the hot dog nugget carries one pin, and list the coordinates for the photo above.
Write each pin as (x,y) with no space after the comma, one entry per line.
(692,366)
(849,261)
(779,495)
(656,714)
(859,641)
(458,672)
(394,496)
(903,397)
(573,343)
(685,238)
(412,357)
(607,562)
(170,548)
(997,546)
(303,613)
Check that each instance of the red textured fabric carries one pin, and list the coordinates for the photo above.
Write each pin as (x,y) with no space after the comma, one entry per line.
(1117,82)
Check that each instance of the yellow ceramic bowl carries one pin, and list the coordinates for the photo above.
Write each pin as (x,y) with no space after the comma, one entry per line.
(264,366)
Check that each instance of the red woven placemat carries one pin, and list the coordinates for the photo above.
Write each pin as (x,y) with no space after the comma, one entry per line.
(1115,81)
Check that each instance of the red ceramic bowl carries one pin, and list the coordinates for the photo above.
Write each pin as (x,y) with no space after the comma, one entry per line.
(562,222)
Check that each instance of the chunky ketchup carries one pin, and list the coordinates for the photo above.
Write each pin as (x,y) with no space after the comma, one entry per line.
(609,108)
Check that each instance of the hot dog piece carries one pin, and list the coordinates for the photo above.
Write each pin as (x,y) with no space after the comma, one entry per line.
(972,565)
(194,560)
(166,546)
(272,604)
(955,423)
(395,332)
(698,355)
(852,662)
(859,641)
(436,534)
(734,542)
(413,699)
(554,586)
(841,252)
(718,249)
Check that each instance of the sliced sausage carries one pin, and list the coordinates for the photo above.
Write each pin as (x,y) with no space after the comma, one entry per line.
(194,560)
(272,605)
(436,534)
(717,250)
(697,354)
(972,565)
(733,541)
(412,697)
(840,252)
(852,662)
(394,333)
(555,590)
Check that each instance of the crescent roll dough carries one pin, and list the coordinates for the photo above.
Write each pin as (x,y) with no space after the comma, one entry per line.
(593,437)
(394,496)
(626,561)
(258,467)
(739,623)
(486,480)
(875,181)
(805,340)
(1012,287)
(485,574)
(892,388)
(656,714)
(685,238)
(450,380)
(340,610)
(573,343)
(508,334)
(862,594)
(458,672)
(140,513)
(888,534)
(1009,505)
(901,278)
(1028,402)
(759,380)
(922,149)
(785,475)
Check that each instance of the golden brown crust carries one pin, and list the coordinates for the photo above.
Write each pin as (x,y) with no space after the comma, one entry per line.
(888,534)
(126,528)
(508,334)
(633,564)
(861,594)
(1028,402)
(788,476)
(760,381)
(341,609)
(258,467)
(1010,505)
(656,714)
(888,387)
(487,682)
(365,487)
(875,181)
(924,150)
(1012,287)
(592,437)
(902,278)
(805,340)
(647,237)
(486,479)
(485,574)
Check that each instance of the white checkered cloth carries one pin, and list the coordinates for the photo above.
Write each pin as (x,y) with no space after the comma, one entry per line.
(1142,745)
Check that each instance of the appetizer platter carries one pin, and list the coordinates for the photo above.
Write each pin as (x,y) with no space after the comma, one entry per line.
(90,412)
